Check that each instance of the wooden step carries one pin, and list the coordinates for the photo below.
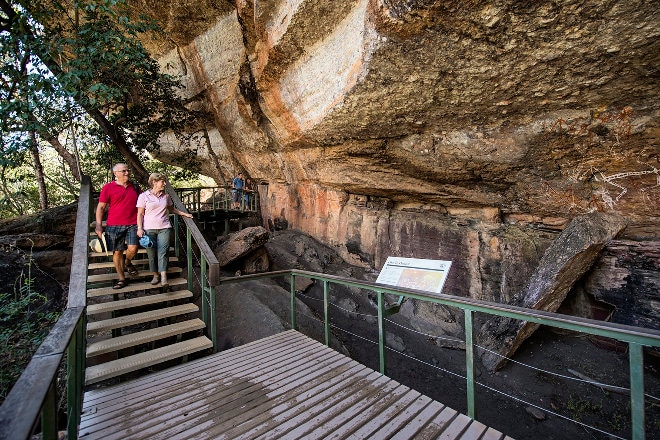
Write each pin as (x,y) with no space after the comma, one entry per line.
(128,364)
(109,254)
(110,264)
(141,274)
(139,318)
(106,255)
(140,301)
(133,287)
(154,334)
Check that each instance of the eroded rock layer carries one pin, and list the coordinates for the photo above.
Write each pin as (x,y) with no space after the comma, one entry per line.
(457,130)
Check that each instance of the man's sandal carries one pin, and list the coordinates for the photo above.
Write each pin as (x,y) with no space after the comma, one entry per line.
(132,270)
(120,284)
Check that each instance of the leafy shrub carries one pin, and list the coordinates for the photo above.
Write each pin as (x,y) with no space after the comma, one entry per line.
(24,323)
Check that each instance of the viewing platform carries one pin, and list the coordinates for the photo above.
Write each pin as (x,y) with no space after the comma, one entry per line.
(282,387)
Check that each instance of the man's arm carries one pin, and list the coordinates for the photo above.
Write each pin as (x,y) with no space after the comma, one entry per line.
(100,209)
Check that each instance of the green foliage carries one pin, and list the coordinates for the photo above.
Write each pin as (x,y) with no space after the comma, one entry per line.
(178,177)
(579,407)
(24,323)
(82,76)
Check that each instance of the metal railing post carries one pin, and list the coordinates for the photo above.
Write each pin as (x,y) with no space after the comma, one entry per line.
(293,301)
(75,375)
(214,336)
(326,315)
(469,363)
(176,236)
(72,385)
(49,414)
(189,258)
(203,282)
(381,332)
(636,360)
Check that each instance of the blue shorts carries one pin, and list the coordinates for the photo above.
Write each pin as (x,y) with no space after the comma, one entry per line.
(117,237)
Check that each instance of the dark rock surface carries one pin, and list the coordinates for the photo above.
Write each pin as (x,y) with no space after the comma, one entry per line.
(46,237)
(232,247)
(567,259)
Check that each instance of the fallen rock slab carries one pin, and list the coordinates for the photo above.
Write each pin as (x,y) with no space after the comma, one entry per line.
(240,244)
(566,260)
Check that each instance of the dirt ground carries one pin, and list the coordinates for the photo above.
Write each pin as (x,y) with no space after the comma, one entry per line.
(522,402)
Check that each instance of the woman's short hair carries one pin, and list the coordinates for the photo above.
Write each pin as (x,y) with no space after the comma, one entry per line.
(156,177)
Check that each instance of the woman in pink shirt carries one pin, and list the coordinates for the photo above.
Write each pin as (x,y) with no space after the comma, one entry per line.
(154,207)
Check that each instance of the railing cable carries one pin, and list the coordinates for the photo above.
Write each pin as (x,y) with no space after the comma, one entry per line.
(590,382)
(436,337)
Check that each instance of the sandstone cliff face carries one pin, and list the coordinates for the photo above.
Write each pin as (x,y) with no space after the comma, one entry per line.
(459,130)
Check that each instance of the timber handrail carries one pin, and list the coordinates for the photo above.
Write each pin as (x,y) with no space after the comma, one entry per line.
(35,392)
(635,337)
(209,265)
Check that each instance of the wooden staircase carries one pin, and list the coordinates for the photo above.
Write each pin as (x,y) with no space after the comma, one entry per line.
(140,325)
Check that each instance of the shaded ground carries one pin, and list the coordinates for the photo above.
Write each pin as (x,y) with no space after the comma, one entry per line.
(30,304)
(416,360)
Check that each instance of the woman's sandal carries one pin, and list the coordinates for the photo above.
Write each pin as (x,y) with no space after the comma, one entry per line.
(132,270)
(120,284)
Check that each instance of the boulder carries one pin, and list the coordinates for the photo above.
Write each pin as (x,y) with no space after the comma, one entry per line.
(240,244)
(36,241)
(256,262)
(60,220)
(567,259)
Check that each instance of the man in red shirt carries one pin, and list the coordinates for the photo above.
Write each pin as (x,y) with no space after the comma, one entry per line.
(120,197)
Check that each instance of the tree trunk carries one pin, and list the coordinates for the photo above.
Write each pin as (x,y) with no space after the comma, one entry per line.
(118,140)
(61,149)
(38,172)
(64,154)
(113,133)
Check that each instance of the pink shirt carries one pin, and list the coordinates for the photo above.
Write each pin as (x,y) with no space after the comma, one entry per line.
(121,203)
(156,212)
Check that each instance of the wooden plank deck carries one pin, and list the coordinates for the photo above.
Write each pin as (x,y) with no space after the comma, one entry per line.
(282,387)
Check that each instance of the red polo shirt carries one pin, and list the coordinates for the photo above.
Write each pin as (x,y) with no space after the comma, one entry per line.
(121,203)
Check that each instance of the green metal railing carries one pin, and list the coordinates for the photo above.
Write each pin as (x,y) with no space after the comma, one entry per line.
(635,337)
(34,395)
(198,248)
(219,200)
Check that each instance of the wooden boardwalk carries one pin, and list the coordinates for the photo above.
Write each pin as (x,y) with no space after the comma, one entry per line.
(282,387)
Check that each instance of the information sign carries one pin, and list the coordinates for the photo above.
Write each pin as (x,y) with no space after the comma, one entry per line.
(415,273)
